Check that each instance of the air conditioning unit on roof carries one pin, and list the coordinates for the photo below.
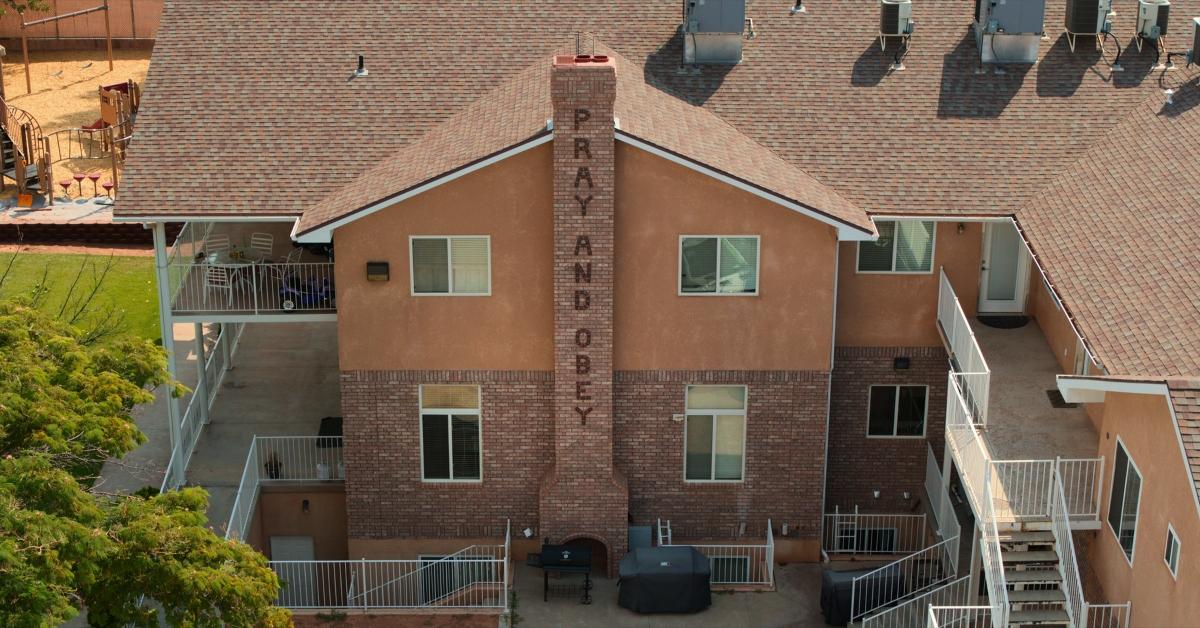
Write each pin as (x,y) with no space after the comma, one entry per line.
(1087,17)
(1152,18)
(895,18)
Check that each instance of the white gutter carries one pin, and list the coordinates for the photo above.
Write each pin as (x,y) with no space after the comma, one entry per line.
(845,231)
(207,217)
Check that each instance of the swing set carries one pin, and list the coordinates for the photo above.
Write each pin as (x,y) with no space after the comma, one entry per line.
(65,16)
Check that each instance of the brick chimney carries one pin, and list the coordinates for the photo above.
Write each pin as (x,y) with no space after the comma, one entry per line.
(583,495)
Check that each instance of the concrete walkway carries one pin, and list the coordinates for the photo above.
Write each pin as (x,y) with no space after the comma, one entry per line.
(796,602)
(284,381)
(1022,425)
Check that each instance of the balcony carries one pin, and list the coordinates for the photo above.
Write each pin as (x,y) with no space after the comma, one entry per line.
(239,272)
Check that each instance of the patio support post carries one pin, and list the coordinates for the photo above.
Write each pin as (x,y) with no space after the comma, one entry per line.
(976,536)
(166,327)
(202,375)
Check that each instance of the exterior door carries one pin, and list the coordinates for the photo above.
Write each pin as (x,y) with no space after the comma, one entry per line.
(1004,276)
(299,578)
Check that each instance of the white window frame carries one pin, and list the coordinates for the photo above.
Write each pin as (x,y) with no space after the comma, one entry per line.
(895,251)
(757,267)
(896,412)
(412,271)
(713,447)
(1137,513)
(422,411)
(1171,535)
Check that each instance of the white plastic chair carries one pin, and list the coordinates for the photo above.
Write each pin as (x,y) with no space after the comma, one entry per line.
(262,245)
(216,243)
(218,278)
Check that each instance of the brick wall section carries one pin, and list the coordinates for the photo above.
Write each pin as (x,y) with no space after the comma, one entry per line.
(385,497)
(582,496)
(857,464)
(785,451)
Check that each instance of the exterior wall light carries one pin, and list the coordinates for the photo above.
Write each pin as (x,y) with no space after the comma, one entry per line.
(377,271)
(901,363)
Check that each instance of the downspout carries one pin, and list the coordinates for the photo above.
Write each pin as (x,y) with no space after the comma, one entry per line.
(837,250)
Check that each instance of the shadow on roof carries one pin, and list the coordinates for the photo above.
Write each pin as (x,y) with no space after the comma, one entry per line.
(1186,97)
(969,90)
(1061,72)
(694,84)
(875,63)
(1138,65)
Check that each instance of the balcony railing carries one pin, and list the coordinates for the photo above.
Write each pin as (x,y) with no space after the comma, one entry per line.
(855,533)
(911,613)
(966,358)
(282,459)
(960,617)
(733,564)
(899,580)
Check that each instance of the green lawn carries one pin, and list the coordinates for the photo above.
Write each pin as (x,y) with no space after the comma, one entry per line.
(128,291)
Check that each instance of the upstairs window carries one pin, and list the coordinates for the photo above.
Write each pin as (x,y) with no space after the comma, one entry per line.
(718,265)
(904,246)
(715,433)
(1171,555)
(451,444)
(1123,500)
(897,411)
(451,265)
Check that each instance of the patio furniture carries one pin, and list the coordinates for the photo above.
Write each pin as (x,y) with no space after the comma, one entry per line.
(262,245)
(66,186)
(94,177)
(108,188)
(216,243)
(218,278)
(297,292)
(79,177)
(566,559)
(671,579)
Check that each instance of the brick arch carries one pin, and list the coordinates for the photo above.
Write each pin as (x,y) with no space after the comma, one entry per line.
(605,554)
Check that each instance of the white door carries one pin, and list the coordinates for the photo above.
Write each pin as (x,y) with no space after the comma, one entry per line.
(1004,276)
(299,578)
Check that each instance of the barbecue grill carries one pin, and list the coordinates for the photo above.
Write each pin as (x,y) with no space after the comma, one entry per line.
(566,559)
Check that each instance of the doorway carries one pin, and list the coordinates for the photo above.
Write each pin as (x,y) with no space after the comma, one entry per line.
(1004,274)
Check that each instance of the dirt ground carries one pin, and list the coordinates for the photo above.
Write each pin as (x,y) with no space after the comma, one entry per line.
(66,95)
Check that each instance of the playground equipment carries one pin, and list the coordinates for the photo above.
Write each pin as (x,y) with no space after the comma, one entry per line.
(54,18)
(25,152)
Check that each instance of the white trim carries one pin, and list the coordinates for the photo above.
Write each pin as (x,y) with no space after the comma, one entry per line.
(412,280)
(717,293)
(896,413)
(324,233)
(449,412)
(213,218)
(298,317)
(1136,513)
(845,230)
(1183,452)
(895,252)
(713,447)
(1020,300)
(941,217)
(1172,535)
(1077,387)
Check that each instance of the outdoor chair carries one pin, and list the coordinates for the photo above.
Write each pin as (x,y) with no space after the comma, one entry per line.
(262,246)
(216,243)
(218,278)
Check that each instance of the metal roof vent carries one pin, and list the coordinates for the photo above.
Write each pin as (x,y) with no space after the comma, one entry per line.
(1009,31)
(712,31)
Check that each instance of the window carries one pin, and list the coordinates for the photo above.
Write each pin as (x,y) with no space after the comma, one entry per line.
(451,448)
(714,433)
(1171,555)
(1123,501)
(904,246)
(451,265)
(729,569)
(897,411)
(718,265)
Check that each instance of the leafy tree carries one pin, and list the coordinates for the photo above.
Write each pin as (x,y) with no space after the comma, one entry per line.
(21,6)
(65,406)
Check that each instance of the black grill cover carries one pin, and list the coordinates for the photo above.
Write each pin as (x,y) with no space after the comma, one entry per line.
(835,592)
(670,579)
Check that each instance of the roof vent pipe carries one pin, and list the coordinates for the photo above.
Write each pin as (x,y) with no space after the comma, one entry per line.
(362,66)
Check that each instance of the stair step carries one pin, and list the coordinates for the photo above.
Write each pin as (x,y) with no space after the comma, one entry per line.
(1027,597)
(1039,616)
(1028,576)
(1029,557)
(1028,536)
(31,171)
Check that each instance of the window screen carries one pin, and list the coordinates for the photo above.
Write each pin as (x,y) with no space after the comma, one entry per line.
(451,447)
(715,433)
(718,265)
(430,260)
(1123,500)
(451,265)
(904,246)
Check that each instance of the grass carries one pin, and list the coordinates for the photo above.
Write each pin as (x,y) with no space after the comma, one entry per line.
(127,292)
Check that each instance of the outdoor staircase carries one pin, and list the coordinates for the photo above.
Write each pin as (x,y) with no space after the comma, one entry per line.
(24,151)
(1034,578)
(31,181)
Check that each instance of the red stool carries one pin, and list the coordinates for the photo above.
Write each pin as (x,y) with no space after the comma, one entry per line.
(94,177)
(66,186)
(79,177)
(108,187)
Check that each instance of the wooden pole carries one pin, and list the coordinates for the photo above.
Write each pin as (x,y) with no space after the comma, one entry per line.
(108,34)
(25,51)
(132,21)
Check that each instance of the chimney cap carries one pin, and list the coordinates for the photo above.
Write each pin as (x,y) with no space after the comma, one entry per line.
(584,60)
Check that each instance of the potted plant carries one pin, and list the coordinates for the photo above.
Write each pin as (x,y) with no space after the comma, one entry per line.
(273,466)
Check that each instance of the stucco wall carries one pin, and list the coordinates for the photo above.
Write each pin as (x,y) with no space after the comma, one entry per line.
(280,512)
(1056,328)
(889,310)
(785,327)
(1145,427)
(382,327)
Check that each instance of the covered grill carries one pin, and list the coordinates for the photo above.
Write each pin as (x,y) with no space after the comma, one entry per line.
(672,579)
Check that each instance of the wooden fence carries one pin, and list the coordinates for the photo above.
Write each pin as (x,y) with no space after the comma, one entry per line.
(131,19)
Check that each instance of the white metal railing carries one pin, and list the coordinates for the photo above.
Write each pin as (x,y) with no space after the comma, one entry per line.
(868,533)
(960,617)
(508,581)
(188,245)
(1060,526)
(733,564)
(282,459)
(940,504)
(472,578)
(901,579)
(1082,479)
(253,288)
(966,356)
(216,363)
(966,445)
(1106,616)
(912,612)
